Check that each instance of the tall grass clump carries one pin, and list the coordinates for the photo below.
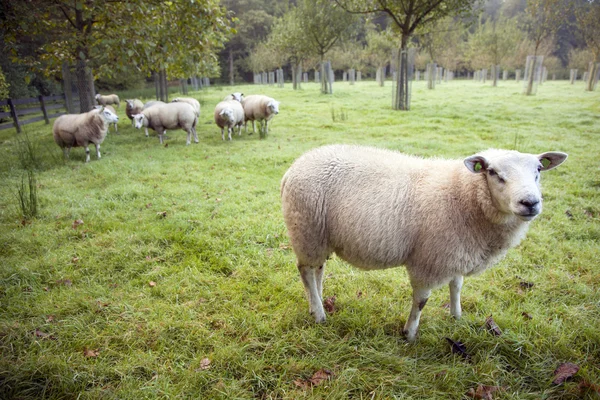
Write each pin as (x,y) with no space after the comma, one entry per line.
(27,195)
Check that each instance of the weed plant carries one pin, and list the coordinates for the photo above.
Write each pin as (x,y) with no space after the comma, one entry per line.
(166,272)
(27,195)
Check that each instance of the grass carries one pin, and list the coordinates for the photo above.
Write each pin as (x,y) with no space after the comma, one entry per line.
(183,256)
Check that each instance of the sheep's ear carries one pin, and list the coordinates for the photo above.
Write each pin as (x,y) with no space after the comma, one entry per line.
(551,159)
(476,164)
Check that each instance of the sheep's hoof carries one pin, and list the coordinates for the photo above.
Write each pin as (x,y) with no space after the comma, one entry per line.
(411,338)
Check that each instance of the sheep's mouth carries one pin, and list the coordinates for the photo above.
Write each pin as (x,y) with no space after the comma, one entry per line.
(527,216)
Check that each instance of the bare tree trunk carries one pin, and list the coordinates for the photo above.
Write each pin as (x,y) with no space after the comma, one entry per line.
(324,78)
(401,100)
(157,86)
(231,80)
(294,83)
(86,99)
(589,85)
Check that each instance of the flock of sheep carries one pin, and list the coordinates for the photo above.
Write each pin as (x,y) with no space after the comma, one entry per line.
(374,208)
(81,130)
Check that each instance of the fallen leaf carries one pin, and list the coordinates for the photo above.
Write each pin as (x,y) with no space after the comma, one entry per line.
(318,378)
(441,374)
(491,326)
(218,200)
(458,348)
(75,260)
(329,304)
(588,213)
(564,371)
(50,318)
(284,246)
(166,144)
(526,315)
(65,282)
(483,392)
(43,335)
(46,289)
(89,353)
(445,305)
(569,214)
(204,364)
(76,223)
(148,205)
(586,386)
(151,283)
(526,285)
(162,214)
(359,294)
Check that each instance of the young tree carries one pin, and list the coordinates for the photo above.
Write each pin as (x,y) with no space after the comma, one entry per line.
(587,15)
(323,25)
(380,45)
(408,15)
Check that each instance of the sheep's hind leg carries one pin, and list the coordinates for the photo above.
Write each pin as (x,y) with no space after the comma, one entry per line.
(189,137)
(420,297)
(97,150)
(455,287)
(310,278)
(87,153)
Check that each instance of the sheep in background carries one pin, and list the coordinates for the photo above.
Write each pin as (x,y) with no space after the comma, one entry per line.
(109,99)
(192,102)
(258,107)
(442,219)
(229,114)
(132,107)
(169,116)
(111,108)
(75,130)
(234,96)
(149,104)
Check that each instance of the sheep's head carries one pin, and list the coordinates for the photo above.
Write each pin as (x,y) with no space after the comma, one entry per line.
(129,104)
(97,96)
(139,120)
(273,107)
(237,96)
(108,115)
(513,179)
(227,115)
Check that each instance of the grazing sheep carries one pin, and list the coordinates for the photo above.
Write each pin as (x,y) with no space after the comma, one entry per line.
(132,107)
(109,99)
(169,116)
(229,113)
(149,104)
(235,96)
(192,102)
(75,130)
(111,108)
(259,108)
(442,219)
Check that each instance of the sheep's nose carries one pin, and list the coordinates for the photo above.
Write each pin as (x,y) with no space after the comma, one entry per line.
(530,203)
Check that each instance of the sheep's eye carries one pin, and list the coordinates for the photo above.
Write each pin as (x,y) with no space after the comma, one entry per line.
(492,172)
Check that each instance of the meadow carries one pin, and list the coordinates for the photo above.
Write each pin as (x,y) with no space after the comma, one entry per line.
(164,271)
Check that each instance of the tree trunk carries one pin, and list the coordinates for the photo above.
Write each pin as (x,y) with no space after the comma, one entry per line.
(86,99)
(324,78)
(157,86)
(294,83)
(401,98)
(231,80)
(589,85)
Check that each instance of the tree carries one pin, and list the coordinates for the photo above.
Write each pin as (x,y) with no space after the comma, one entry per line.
(408,15)
(542,20)
(380,45)
(444,42)
(587,15)
(492,43)
(323,25)
(177,37)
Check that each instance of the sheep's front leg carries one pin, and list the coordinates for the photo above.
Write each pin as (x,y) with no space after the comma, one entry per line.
(266,127)
(87,153)
(189,137)
(420,297)
(229,130)
(146,128)
(97,150)
(455,287)
(195,135)
(66,151)
(253,127)
(309,279)
(223,133)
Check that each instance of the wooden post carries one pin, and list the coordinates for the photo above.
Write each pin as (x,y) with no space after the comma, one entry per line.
(41,98)
(13,113)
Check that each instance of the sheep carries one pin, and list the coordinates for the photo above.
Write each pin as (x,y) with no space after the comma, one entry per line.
(111,108)
(149,104)
(229,113)
(379,209)
(169,116)
(235,96)
(133,106)
(192,102)
(258,108)
(109,99)
(74,130)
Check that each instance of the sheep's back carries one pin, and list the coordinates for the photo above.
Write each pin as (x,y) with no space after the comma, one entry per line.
(172,115)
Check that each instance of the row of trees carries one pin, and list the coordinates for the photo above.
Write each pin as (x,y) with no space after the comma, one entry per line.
(174,39)
(448,32)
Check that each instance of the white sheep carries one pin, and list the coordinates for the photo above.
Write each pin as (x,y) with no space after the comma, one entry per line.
(75,130)
(132,107)
(229,114)
(109,99)
(192,102)
(377,209)
(168,116)
(111,108)
(235,96)
(258,107)
(149,104)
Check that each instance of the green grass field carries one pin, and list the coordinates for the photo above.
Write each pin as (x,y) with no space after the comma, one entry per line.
(180,283)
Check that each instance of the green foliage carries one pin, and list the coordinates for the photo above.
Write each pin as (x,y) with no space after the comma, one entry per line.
(4,86)
(78,317)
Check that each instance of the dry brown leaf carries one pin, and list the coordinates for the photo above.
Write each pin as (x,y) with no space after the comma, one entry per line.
(76,223)
(204,364)
(445,305)
(329,304)
(50,318)
(318,378)
(491,326)
(151,283)
(564,371)
(148,205)
(586,386)
(483,392)
(162,214)
(43,335)
(458,348)
(66,282)
(526,285)
(526,315)
(359,294)
(75,260)
(90,353)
